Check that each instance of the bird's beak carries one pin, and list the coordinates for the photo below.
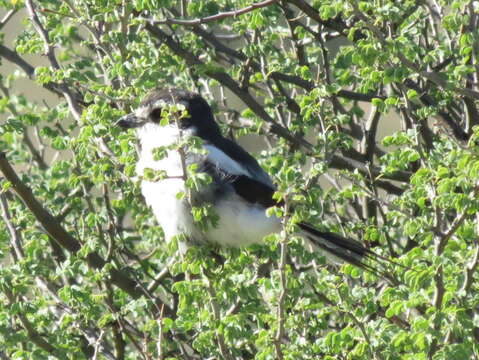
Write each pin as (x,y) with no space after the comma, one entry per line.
(129,121)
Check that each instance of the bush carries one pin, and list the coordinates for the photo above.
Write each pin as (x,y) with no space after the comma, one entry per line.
(368,112)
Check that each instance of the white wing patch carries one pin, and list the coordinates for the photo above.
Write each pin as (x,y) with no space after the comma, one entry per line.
(224,162)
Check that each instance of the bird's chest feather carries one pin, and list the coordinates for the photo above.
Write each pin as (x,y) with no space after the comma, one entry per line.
(172,211)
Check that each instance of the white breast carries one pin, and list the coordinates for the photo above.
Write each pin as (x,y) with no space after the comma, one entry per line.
(173,215)
(241,223)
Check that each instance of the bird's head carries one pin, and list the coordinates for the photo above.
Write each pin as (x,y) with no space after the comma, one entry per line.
(168,113)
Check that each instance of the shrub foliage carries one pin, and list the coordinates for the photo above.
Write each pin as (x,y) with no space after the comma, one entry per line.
(367,113)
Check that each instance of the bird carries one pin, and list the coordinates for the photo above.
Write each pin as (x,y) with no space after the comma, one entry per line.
(239,191)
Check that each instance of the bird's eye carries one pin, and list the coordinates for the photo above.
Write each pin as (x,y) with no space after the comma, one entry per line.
(155,115)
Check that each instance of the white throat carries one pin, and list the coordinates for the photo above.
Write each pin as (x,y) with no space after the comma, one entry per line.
(153,136)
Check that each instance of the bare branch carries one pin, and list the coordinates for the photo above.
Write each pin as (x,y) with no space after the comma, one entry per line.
(369,139)
(7,17)
(13,57)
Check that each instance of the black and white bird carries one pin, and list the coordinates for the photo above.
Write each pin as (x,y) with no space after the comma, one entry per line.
(240,190)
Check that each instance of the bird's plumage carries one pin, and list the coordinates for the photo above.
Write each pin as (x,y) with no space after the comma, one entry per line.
(240,190)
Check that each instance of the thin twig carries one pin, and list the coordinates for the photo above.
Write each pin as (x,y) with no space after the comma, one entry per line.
(217,316)
(73,105)
(15,238)
(281,311)
(64,238)
(7,17)
(159,343)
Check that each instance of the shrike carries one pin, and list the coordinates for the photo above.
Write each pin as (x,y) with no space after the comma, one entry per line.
(240,191)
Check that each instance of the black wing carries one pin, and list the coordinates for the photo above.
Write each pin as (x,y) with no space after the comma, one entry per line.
(241,156)
(249,189)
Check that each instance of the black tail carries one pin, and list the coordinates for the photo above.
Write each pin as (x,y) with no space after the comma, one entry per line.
(348,250)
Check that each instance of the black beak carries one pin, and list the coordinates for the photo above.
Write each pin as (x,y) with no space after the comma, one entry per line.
(129,121)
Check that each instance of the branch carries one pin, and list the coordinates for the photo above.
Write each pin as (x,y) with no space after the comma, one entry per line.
(64,238)
(276,75)
(428,100)
(368,146)
(219,16)
(369,140)
(217,316)
(7,17)
(229,82)
(334,24)
(36,153)
(342,162)
(440,244)
(15,239)
(33,335)
(73,105)
(472,115)
(13,57)
(442,241)
(293,23)
(470,270)
(281,311)
(16,59)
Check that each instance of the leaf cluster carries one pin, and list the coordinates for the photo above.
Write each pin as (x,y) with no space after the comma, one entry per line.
(365,113)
